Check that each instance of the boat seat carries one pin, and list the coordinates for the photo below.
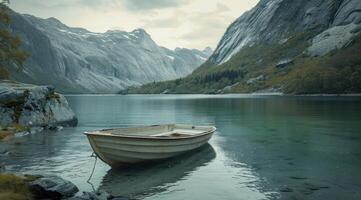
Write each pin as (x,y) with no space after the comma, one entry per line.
(163,134)
(187,131)
(177,132)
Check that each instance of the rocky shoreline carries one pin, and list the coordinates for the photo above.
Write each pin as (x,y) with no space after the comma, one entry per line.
(26,108)
(19,186)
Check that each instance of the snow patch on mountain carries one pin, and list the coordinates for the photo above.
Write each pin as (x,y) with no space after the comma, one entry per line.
(76,60)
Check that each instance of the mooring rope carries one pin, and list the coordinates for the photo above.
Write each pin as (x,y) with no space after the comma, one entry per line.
(91,175)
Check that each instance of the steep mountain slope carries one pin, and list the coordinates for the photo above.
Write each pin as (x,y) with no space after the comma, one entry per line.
(270,46)
(276,20)
(75,60)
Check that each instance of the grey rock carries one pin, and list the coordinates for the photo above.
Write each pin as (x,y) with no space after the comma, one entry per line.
(228,88)
(100,195)
(284,63)
(2,168)
(255,80)
(7,94)
(36,129)
(166,91)
(6,115)
(88,196)
(21,134)
(39,105)
(356,30)
(76,60)
(52,187)
(348,12)
(274,21)
(332,39)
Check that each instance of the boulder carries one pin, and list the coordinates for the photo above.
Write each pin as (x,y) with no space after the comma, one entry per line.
(255,80)
(284,63)
(166,91)
(227,88)
(88,196)
(8,93)
(33,106)
(52,187)
(99,195)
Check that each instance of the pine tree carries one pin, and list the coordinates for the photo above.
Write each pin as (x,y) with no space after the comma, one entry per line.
(11,55)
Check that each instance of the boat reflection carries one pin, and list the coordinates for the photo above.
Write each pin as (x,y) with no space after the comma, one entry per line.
(149,179)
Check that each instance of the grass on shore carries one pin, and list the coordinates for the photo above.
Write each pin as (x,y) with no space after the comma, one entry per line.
(14,188)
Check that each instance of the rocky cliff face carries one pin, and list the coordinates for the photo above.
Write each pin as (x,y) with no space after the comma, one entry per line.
(75,60)
(276,20)
(26,105)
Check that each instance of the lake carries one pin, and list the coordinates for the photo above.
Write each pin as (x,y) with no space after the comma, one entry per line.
(265,147)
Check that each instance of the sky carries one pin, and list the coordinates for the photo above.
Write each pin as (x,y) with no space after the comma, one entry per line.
(171,23)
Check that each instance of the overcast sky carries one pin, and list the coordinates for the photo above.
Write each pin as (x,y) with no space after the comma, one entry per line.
(171,23)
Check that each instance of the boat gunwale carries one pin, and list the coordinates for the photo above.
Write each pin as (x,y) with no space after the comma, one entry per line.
(98,133)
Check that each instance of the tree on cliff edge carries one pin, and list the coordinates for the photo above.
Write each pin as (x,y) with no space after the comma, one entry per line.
(11,55)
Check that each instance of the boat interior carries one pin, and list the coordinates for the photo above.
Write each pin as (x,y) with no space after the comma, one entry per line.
(169,130)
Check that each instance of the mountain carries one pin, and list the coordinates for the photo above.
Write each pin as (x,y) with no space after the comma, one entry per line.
(276,20)
(76,60)
(289,46)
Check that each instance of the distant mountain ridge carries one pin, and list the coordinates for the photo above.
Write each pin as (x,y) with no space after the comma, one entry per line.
(76,60)
(283,46)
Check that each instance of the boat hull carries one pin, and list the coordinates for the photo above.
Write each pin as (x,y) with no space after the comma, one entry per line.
(119,151)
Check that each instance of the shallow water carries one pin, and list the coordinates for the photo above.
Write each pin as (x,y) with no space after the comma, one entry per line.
(265,147)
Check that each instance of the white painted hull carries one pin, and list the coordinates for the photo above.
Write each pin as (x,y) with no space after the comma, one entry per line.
(118,147)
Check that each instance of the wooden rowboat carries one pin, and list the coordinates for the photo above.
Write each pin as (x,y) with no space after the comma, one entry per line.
(125,146)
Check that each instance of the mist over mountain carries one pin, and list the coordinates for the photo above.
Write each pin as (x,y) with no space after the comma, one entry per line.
(76,60)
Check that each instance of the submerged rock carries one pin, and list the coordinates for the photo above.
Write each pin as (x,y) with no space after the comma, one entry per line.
(33,106)
(100,195)
(52,187)
(286,189)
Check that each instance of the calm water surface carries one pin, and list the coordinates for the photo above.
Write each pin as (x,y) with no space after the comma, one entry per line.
(265,148)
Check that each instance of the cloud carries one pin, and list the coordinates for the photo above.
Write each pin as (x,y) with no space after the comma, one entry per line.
(66,4)
(140,5)
(197,28)
(171,23)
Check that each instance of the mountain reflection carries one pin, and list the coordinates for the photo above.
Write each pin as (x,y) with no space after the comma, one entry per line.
(149,179)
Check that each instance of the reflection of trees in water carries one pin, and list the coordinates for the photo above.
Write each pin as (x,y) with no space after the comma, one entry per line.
(157,177)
